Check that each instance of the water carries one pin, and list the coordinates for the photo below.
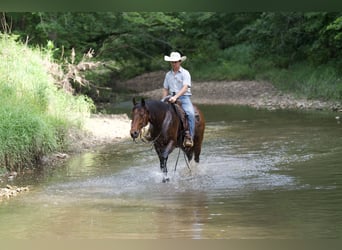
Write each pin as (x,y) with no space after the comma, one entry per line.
(262,175)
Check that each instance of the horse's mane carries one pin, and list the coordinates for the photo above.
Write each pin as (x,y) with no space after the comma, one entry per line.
(155,106)
(159,111)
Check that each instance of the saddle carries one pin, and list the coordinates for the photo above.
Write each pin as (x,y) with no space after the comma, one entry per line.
(146,131)
(181,113)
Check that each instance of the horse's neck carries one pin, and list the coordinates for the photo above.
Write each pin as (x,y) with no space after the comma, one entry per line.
(157,114)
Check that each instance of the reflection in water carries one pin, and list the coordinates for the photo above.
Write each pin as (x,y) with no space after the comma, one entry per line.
(262,175)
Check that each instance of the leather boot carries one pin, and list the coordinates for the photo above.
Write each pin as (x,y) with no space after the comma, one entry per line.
(188,140)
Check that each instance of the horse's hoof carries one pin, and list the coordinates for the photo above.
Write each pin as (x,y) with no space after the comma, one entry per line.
(166,179)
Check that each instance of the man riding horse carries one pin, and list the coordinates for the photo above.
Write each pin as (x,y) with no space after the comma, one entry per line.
(177,83)
(170,126)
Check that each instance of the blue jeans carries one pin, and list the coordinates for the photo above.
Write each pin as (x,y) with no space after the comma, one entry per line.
(190,112)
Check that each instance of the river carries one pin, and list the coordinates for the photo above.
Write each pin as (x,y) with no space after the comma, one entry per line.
(263,175)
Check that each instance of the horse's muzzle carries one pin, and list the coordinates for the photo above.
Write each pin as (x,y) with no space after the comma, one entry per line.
(134,134)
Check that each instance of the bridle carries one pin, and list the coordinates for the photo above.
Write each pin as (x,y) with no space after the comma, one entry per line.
(146,122)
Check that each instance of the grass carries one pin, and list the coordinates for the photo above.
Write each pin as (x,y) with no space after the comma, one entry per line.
(322,82)
(25,137)
(34,115)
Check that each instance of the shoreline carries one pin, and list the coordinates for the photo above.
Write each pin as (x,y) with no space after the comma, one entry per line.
(256,94)
(101,130)
(259,95)
(98,130)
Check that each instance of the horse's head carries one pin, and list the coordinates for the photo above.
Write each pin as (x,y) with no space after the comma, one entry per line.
(140,116)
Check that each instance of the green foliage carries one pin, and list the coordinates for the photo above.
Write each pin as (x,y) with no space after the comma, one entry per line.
(218,45)
(233,63)
(296,36)
(240,53)
(227,70)
(34,114)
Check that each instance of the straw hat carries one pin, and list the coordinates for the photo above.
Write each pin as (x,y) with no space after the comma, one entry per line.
(174,57)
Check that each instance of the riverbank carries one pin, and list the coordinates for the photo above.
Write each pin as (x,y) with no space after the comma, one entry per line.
(256,94)
(101,129)
(259,95)
(106,129)
(98,130)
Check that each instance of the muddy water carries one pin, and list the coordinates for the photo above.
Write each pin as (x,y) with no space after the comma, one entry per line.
(262,175)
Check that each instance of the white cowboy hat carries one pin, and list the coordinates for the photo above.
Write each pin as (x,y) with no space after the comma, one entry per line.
(174,57)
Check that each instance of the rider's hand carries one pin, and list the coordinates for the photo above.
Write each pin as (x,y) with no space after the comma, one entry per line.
(172,99)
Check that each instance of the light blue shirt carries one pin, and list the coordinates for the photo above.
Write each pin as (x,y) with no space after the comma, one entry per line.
(174,82)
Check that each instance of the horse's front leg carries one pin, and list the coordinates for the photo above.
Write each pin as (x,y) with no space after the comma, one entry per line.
(163,156)
(163,167)
(163,163)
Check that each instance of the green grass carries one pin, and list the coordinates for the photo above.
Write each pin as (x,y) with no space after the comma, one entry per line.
(24,136)
(322,82)
(34,115)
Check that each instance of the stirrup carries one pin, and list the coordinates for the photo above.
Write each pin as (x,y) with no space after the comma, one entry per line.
(188,143)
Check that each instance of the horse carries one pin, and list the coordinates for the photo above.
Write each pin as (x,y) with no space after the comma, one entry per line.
(165,129)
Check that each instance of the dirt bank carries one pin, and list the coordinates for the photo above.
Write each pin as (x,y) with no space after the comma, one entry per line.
(103,129)
(249,93)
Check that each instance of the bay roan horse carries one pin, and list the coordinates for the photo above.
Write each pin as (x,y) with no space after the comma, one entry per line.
(165,129)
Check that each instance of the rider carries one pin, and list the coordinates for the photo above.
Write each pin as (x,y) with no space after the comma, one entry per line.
(177,82)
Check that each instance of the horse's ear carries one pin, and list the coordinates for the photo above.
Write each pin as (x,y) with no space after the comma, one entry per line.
(142,102)
(134,101)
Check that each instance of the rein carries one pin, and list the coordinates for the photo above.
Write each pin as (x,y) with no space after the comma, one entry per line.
(151,142)
(186,160)
(155,139)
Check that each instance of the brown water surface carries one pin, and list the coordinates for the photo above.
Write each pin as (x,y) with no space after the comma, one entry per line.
(262,175)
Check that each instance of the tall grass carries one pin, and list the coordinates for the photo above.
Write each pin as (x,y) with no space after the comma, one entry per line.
(302,79)
(34,114)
